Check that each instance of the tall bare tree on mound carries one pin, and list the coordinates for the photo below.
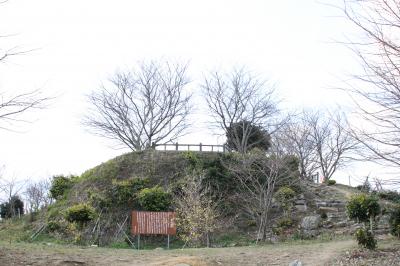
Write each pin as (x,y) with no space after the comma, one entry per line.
(241,104)
(378,96)
(144,106)
(296,139)
(320,141)
(334,145)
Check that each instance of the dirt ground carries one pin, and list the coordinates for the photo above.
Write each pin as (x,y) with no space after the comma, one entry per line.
(309,253)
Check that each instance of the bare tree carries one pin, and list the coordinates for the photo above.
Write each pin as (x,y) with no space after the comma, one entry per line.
(240,98)
(378,95)
(296,139)
(257,176)
(37,194)
(10,188)
(145,106)
(333,143)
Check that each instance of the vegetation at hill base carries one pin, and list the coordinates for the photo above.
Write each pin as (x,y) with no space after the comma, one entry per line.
(216,197)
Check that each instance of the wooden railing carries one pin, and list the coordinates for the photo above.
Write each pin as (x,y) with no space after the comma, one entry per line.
(190,147)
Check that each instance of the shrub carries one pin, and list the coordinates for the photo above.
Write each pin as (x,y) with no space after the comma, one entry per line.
(193,160)
(394,221)
(197,214)
(80,213)
(365,239)
(331,182)
(218,177)
(362,207)
(251,223)
(390,195)
(285,196)
(53,212)
(154,199)
(53,226)
(126,191)
(59,185)
(284,223)
(258,136)
(99,200)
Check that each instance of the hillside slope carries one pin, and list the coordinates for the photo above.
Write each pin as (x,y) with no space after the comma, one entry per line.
(317,208)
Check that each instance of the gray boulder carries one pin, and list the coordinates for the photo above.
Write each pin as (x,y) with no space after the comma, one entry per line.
(311,222)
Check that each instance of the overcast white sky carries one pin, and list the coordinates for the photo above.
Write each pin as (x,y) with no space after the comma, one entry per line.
(81,43)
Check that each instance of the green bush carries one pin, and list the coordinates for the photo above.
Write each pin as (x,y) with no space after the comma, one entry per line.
(258,136)
(285,196)
(331,182)
(59,185)
(284,223)
(281,225)
(80,213)
(99,200)
(193,160)
(217,174)
(362,207)
(126,191)
(394,221)
(53,226)
(154,199)
(390,195)
(365,239)
(53,212)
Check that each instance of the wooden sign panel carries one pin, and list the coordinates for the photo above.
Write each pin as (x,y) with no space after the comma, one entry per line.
(153,223)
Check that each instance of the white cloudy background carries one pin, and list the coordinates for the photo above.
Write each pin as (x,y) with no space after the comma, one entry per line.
(78,44)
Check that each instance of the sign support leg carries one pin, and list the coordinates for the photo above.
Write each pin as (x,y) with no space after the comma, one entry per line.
(168,242)
(138,241)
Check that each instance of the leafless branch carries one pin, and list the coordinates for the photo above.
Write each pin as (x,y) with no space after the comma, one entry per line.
(334,145)
(296,139)
(142,107)
(13,107)
(378,100)
(257,176)
(320,141)
(37,194)
(239,98)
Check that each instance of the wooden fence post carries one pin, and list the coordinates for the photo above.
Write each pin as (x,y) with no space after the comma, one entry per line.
(176,146)
(201,147)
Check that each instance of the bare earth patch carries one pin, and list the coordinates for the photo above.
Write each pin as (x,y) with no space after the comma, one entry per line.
(310,253)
